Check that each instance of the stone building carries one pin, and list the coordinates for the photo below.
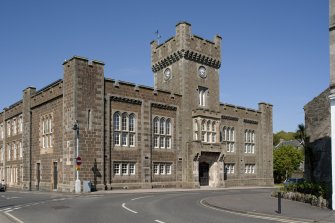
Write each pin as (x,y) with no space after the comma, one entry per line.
(320,124)
(175,134)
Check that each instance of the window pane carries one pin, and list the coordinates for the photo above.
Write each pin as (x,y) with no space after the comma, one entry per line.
(116,168)
(116,121)
(156,169)
(168,127)
(161,169)
(162,142)
(124,139)
(168,142)
(131,123)
(124,122)
(156,122)
(124,168)
(168,169)
(131,139)
(117,138)
(156,138)
(131,168)
(162,126)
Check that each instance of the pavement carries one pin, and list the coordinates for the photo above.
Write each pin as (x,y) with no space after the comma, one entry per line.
(262,204)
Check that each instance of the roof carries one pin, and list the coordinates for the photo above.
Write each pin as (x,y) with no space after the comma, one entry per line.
(294,143)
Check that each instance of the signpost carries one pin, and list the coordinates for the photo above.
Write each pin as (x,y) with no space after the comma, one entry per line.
(78,162)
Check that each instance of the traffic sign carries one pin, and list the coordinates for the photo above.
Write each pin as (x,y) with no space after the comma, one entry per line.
(78,161)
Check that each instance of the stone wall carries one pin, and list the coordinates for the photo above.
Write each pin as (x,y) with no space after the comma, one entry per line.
(318,151)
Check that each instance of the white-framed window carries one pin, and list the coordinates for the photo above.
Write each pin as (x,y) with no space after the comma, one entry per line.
(2,131)
(8,152)
(20,150)
(8,128)
(162,168)
(195,129)
(249,168)
(20,124)
(124,129)
(14,127)
(228,137)
(208,131)
(162,129)
(47,133)
(14,151)
(2,153)
(230,168)
(124,168)
(249,141)
(202,96)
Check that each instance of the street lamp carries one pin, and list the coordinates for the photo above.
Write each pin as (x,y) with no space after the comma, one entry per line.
(77,186)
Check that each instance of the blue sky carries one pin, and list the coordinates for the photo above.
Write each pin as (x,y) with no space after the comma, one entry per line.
(272,51)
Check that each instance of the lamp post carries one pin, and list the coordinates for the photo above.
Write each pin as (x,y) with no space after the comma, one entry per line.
(77,186)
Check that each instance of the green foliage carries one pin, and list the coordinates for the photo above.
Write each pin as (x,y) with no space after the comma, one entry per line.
(286,159)
(283,135)
(315,189)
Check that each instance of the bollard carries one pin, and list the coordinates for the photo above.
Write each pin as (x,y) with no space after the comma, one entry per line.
(279,203)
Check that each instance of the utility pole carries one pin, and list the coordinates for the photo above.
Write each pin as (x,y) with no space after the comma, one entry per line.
(77,187)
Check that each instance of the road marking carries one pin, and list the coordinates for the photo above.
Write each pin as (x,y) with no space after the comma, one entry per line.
(128,209)
(137,198)
(13,217)
(158,221)
(254,215)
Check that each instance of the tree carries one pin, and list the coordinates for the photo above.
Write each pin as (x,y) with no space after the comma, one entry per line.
(282,135)
(286,159)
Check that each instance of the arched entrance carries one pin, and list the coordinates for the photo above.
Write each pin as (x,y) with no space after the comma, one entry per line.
(204,174)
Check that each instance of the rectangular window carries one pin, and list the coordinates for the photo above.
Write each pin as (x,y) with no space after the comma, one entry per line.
(124,139)
(14,126)
(213,137)
(14,151)
(131,139)
(156,166)
(8,128)
(20,149)
(168,142)
(1,131)
(132,168)
(162,169)
(8,150)
(156,139)
(117,138)
(162,142)
(124,169)
(21,124)
(117,168)
(168,169)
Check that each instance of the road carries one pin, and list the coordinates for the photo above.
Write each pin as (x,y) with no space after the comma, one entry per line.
(160,207)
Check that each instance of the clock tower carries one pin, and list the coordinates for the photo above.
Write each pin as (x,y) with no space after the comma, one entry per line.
(188,65)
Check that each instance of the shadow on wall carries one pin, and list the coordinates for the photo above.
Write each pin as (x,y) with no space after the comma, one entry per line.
(96,174)
(318,162)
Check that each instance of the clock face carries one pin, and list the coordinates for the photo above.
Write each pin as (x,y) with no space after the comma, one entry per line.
(202,72)
(167,74)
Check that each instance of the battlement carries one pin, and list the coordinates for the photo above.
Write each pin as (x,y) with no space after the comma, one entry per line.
(89,62)
(186,45)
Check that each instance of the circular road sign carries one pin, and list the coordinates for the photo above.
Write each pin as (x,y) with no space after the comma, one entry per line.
(78,160)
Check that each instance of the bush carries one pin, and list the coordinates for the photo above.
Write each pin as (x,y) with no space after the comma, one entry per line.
(309,188)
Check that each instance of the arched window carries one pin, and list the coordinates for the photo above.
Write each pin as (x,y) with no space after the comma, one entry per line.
(156,123)
(168,127)
(116,121)
(124,121)
(162,126)
(224,133)
(232,134)
(131,123)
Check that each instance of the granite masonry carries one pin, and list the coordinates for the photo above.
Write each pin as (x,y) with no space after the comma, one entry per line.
(175,134)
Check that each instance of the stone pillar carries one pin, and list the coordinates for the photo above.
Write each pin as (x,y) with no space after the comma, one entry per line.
(27,138)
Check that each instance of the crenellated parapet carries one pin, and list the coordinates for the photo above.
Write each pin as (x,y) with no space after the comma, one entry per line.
(188,46)
(189,55)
